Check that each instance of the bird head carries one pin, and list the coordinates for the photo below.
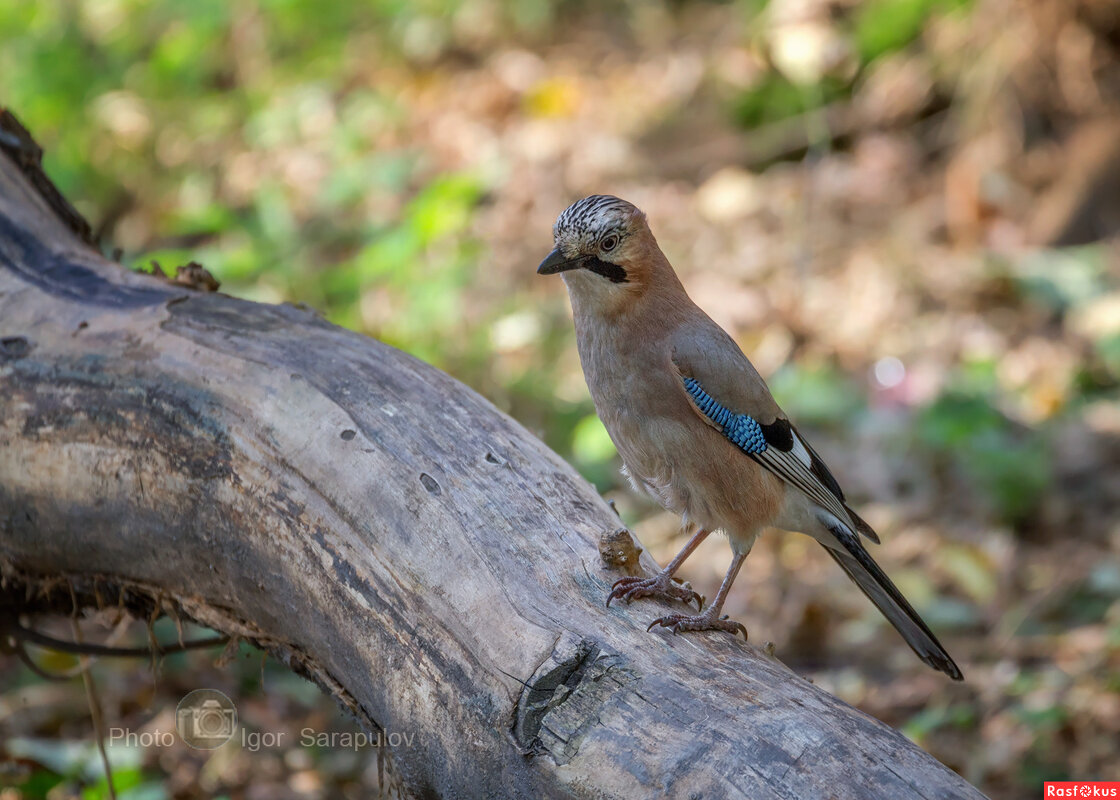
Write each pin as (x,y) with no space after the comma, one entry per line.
(601,248)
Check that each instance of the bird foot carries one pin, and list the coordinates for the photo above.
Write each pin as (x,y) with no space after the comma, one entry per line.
(707,621)
(660,585)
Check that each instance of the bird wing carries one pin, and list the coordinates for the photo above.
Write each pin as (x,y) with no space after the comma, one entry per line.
(728,394)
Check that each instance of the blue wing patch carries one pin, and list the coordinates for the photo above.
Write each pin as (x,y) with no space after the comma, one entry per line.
(743,431)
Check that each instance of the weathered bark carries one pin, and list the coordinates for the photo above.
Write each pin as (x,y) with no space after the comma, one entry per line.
(384,530)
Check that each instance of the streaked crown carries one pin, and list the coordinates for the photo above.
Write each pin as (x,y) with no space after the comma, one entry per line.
(592,219)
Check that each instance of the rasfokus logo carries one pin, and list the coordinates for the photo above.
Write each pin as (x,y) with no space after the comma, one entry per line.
(1081,789)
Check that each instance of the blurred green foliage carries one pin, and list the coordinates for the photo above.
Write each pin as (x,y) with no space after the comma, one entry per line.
(775,97)
(430,231)
(1061,280)
(866,31)
(817,394)
(925,722)
(196,87)
(593,452)
(881,27)
(77,762)
(964,429)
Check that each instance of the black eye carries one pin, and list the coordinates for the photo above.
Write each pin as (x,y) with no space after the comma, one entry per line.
(609,243)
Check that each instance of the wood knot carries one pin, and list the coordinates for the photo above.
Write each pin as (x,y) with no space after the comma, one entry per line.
(562,703)
(192,275)
(620,552)
(13,347)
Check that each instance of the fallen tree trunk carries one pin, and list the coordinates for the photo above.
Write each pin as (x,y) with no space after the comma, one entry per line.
(382,529)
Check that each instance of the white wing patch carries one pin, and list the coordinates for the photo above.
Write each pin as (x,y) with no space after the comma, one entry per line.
(800,451)
(793,470)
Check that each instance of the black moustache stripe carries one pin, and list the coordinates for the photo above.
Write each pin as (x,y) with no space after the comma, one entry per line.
(612,272)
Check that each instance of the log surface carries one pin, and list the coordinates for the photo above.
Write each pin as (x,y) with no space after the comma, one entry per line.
(385,531)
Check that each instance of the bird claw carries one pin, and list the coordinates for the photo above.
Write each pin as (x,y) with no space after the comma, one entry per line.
(661,585)
(701,622)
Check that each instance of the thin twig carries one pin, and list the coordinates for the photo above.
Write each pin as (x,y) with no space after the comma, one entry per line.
(81,648)
(95,712)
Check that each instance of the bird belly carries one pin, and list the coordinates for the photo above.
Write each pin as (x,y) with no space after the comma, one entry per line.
(730,492)
(668,452)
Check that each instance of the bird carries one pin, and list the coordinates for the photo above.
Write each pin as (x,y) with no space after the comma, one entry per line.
(695,424)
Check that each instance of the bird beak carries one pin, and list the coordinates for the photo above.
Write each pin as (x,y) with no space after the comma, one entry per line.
(555,262)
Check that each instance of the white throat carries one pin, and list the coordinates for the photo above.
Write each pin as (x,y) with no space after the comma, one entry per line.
(591,294)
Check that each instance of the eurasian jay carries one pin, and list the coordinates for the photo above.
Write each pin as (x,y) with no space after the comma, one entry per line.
(695,424)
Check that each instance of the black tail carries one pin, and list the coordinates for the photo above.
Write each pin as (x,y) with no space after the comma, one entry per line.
(862,569)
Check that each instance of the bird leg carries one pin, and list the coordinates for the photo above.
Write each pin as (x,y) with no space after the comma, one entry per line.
(709,620)
(661,584)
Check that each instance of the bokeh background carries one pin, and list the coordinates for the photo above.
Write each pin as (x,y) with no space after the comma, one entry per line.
(907,212)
